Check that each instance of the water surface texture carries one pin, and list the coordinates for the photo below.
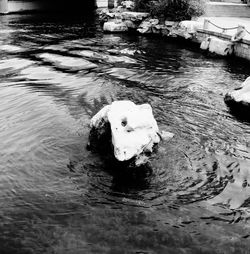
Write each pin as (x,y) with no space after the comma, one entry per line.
(58,197)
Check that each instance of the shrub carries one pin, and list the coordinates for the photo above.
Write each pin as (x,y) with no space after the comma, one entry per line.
(175,10)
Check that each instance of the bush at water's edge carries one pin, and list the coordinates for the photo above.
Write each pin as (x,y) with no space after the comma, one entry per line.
(175,10)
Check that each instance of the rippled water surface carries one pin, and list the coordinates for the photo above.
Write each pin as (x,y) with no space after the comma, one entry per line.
(57,197)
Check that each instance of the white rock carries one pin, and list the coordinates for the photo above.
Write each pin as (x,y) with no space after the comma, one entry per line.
(241,95)
(114,26)
(133,127)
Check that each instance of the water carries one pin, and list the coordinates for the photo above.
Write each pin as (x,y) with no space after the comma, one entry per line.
(57,197)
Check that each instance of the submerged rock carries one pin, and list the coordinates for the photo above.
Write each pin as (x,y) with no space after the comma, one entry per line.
(132,128)
(239,98)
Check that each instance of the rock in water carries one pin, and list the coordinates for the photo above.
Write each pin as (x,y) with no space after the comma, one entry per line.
(239,99)
(134,131)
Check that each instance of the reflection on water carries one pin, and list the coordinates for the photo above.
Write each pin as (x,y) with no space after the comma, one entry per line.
(57,197)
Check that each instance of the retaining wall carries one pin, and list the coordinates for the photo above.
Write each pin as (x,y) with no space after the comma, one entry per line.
(241,49)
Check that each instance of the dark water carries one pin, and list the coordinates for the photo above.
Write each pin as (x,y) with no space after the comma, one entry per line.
(57,197)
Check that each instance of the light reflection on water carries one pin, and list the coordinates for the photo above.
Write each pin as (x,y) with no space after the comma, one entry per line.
(57,197)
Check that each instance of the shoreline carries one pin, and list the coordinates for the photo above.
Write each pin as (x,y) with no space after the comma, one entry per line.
(193,32)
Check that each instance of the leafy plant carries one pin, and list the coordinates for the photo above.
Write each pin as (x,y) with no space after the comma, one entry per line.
(175,10)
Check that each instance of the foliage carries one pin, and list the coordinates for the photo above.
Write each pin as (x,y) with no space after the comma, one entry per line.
(175,10)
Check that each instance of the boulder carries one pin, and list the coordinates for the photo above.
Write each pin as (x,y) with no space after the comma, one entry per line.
(240,96)
(115,26)
(134,131)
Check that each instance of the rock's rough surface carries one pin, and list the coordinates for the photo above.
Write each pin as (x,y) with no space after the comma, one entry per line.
(240,95)
(134,130)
